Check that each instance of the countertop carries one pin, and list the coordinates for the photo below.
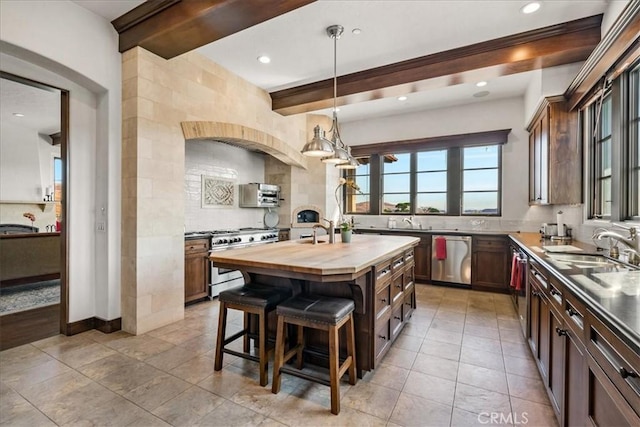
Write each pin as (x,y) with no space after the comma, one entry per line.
(322,259)
(418,231)
(28,235)
(614,296)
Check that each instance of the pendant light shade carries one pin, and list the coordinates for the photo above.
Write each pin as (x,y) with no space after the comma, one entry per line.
(319,146)
(337,152)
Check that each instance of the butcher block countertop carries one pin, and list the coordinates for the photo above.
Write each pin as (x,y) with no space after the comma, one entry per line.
(322,259)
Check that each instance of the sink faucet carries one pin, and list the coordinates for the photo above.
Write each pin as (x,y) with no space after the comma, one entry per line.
(412,222)
(331,231)
(630,242)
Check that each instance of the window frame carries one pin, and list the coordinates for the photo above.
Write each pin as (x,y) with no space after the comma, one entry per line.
(453,144)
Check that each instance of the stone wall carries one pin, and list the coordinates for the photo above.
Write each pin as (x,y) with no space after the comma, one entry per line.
(157,95)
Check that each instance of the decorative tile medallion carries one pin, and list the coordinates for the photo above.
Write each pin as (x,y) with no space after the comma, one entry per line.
(217,192)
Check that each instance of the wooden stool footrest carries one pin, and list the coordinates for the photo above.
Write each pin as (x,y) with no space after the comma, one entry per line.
(241,354)
(300,374)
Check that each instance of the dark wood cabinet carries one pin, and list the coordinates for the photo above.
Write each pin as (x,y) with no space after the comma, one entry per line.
(490,263)
(556,366)
(283,235)
(196,269)
(555,154)
(423,259)
(575,381)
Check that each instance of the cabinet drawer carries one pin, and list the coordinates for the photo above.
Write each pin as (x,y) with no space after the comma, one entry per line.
(574,313)
(383,300)
(409,258)
(382,338)
(382,273)
(538,276)
(489,243)
(555,292)
(197,245)
(397,264)
(396,321)
(408,277)
(397,286)
(617,360)
(407,309)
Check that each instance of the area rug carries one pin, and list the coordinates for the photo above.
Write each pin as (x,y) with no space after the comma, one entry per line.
(28,296)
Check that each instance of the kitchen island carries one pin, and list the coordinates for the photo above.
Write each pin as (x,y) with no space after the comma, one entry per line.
(375,271)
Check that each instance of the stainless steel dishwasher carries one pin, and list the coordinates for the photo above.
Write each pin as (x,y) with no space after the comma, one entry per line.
(451,259)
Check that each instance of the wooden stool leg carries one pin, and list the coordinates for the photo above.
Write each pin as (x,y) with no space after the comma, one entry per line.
(279,356)
(262,351)
(245,339)
(351,350)
(222,325)
(334,366)
(299,353)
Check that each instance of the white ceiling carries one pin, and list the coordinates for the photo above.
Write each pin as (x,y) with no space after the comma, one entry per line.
(392,30)
(40,107)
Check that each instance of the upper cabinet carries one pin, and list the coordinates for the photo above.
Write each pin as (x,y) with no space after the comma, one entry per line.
(555,155)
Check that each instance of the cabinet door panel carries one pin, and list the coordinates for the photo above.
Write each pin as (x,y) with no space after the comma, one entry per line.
(575,382)
(422,259)
(556,359)
(545,338)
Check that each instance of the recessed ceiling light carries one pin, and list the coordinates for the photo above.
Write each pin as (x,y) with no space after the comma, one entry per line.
(481,84)
(530,7)
(356,31)
(481,94)
(264,59)
(402,98)
(18,114)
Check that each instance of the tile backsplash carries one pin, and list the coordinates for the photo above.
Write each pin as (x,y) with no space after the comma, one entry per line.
(229,163)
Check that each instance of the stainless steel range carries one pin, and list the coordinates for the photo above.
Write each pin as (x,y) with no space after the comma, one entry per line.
(222,240)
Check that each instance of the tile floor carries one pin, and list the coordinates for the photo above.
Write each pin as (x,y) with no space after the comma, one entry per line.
(461,358)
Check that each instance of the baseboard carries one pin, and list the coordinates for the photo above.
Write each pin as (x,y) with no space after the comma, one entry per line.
(105,326)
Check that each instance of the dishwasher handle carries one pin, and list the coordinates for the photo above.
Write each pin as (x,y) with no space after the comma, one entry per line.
(454,238)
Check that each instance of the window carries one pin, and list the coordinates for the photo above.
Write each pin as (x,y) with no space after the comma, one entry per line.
(396,183)
(481,180)
(601,156)
(448,175)
(634,144)
(57,186)
(358,202)
(431,183)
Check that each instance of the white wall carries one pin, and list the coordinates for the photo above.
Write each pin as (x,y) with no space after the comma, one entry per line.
(614,8)
(477,117)
(65,45)
(20,176)
(225,161)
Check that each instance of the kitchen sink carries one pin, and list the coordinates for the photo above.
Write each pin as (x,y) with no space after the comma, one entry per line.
(587,261)
(310,242)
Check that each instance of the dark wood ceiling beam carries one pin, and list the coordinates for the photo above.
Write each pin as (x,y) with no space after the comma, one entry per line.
(170,28)
(544,47)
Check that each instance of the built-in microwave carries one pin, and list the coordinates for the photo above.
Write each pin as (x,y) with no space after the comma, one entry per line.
(256,195)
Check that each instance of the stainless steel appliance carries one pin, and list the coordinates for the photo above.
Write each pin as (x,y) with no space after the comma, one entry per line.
(519,296)
(222,240)
(256,195)
(455,266)
(549,230)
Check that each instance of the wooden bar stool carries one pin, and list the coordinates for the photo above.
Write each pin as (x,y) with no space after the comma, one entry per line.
(254,299)
(317,312)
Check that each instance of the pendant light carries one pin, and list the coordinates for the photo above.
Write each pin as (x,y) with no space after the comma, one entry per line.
(339,153)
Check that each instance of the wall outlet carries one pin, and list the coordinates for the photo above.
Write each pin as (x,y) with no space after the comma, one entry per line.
(101,226)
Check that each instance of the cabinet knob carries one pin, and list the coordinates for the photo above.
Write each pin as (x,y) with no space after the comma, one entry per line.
(571,312)
(382,337)
(554,292)
(383,300)
(624,373)
(397,317)
(561,332)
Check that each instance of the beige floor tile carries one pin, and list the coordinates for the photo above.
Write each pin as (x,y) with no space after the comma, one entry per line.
(372,399)
(188,407)
(512,335)
(439,349)
(400,358)
(517,350)
(461,418)
(170,359)
(412,410)
(102,338)
(104,367)
(388,375)
(407,342)
(180,336)
(77,404)
(231,414)
(415,328)
(535,414)
(477,376)
(481,319)
(194,370)
(436,366)
(129,377)
(116,412)
(527,388)
(54,388)
(35,374)
(140,347)
(85,354)
(157,391)
(200,344)
(479,400)
(442,335)
(17,411)
(481,331)
(22,358)
(430,387)
(449,316)
(227,382)
(479,343)
(524,367)
(259,399)
(509,324)
(486,359)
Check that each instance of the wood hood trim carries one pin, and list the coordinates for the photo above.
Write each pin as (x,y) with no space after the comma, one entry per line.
(244,137)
